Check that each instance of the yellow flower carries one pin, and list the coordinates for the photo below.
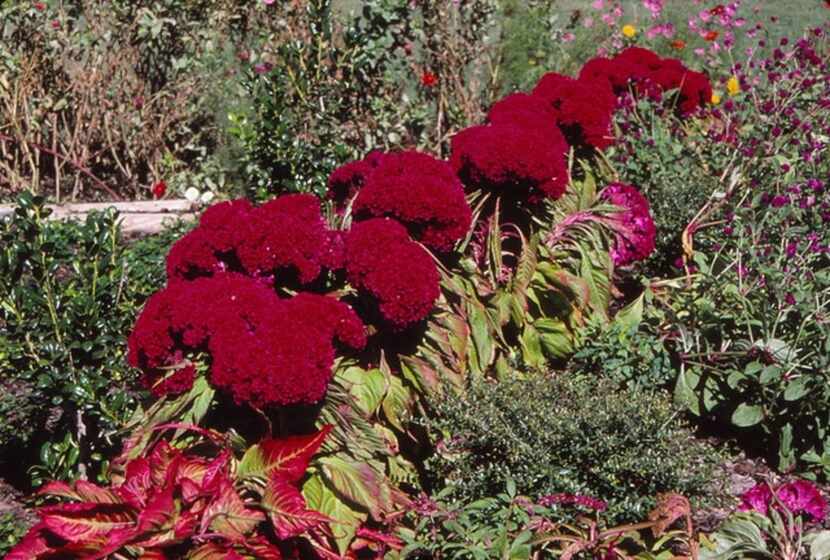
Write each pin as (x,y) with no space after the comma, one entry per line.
(629,31)
(715,99)
(733,86)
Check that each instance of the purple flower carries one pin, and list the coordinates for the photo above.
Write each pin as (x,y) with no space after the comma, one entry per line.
(756,498)
(801,496)
(780,200)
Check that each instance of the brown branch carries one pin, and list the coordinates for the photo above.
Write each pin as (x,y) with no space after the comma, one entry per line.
(73,163)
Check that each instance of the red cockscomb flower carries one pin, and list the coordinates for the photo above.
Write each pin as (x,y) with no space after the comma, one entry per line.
(513,160)
(263,350)
(396,272)
(678,44)
(420,192)
(718,10)
(346,180)
(710,36)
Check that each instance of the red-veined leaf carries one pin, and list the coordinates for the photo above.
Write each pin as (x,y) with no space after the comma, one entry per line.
(287,509)
(287,457)
(228,515)
(84,521)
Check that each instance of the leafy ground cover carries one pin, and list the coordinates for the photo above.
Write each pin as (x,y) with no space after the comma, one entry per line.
(480,280)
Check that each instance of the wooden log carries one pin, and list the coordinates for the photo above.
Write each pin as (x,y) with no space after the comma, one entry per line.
(137,218)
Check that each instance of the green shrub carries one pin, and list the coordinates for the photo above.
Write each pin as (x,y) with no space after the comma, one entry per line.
(570,433)
(675,166)
(69,293)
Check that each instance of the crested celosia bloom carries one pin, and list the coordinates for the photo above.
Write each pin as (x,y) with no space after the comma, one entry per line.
(263,350)
(523,110)
(512,159)
(285,235)
(651,75)
(420,192)
(635,231)
(799,496)
(345,181)
(583,107)
(399,274)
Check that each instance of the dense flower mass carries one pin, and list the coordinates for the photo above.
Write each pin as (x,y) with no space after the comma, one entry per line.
(264,350)
(346,180)
(799,496)
(635,229)
(651,75)
(583,107)
(512,159)
(285,235)
(382,260)
(420,192)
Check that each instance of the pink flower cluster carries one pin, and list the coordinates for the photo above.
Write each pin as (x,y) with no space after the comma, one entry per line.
(799,496)
(263,350)
(635,228)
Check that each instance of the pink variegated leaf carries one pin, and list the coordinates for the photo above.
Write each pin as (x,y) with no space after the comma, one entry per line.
(159,512)
(287,509)
(228,515)
(287,458)
(84,521)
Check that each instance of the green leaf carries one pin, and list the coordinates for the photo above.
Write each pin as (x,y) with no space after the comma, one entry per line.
(796,389)
(396,403)
(344,520)
(555,338)
(685,390)
(532,347)
(368,390)
(747,415)
(359,483)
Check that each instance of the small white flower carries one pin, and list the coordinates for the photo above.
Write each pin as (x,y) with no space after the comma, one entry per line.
(192,194)
(207,196)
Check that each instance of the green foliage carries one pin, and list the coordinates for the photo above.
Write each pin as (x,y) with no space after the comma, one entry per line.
(493,527)
(569,433)
(775,535)
(632,354)
(12,529)
(752,331)
(69,293)
(674,165)
(313,88)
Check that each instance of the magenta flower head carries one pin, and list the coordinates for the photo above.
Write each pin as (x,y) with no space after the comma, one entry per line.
(634,226)
(802,496)
(756,499)
(799,496)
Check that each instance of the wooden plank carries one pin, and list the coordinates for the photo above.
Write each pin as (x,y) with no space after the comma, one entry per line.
(137,218)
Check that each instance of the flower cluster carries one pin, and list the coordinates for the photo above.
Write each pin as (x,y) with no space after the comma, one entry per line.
(651,75)
(799,496)
(523,148)
(634,226)
(420,192)
(382,260)
(584,108)
(284,236)
(264,350)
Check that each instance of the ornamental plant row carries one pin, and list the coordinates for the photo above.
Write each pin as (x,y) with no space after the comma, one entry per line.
(292,339)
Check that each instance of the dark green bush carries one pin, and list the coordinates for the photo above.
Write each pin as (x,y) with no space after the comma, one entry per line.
(69,293)
(570,433)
